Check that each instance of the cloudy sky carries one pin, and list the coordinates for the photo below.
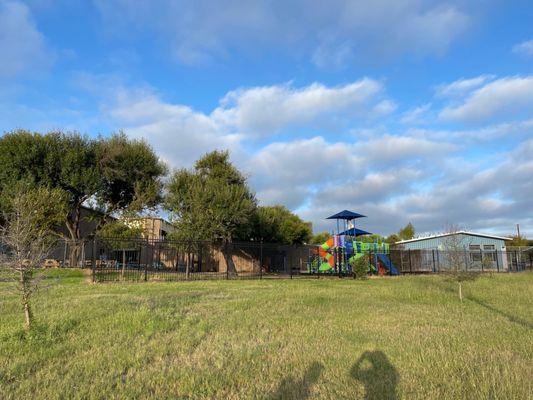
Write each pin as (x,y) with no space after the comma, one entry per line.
(402,110)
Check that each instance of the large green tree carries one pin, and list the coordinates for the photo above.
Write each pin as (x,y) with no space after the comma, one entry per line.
(276,224)
(112,174)
(211,201)
(407,232)
(320,238)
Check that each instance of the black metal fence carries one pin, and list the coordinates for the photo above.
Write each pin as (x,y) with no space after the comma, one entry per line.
(140,260)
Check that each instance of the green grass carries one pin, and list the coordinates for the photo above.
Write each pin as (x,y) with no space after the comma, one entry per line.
(406,337)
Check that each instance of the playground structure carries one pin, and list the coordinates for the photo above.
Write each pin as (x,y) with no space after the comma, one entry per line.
(338,253)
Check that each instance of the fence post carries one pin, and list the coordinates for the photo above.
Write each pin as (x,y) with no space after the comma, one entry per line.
(530,260)
(438,260)
(410,261)
(145,272)
(93,260)
(481,253)
(261,260)
(290,270)
(498,253)
(188,269)
(433,256)
(65,244)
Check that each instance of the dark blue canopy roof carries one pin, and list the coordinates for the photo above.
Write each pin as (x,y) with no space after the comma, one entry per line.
(345,214)
(355,232)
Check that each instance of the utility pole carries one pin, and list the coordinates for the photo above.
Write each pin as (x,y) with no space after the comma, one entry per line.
(518,230)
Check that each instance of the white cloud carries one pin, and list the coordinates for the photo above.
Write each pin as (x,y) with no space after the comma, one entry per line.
(266,110)
(329,54)
(332,33)
(525,48)
(22,46)
(415,115)
(182,134)
(508,131)
(508,97)
(462,86)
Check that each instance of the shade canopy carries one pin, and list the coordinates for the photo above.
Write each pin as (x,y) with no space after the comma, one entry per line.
(345,214)
(355,232)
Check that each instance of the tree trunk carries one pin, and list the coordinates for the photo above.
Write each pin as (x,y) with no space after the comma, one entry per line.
(26,300)
(73,226)
(231,269)
(27,315)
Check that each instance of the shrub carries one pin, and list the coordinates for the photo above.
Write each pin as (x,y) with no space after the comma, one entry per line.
(360,267)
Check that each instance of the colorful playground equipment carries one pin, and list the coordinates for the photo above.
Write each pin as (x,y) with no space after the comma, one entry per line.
(338,252)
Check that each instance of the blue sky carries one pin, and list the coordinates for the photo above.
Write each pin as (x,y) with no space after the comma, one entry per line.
(402,110)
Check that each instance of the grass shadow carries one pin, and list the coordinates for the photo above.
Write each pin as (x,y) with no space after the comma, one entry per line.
(290,388)
(510,317)
(377,374)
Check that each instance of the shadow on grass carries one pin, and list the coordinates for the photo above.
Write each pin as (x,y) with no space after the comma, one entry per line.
(377,373)
(289,388)
(510,317)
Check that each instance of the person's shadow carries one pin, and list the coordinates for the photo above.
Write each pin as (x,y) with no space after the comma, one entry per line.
(378,375)
(289,388)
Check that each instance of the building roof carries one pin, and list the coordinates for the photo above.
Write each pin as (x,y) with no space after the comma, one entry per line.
(345,214)
(453,233)
(355,232)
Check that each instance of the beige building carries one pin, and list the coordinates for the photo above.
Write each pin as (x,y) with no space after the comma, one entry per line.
(153,228)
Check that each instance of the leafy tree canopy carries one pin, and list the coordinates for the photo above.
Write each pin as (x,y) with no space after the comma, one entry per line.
(407,232)
(518,241)
(276,224)
(211,201)
(320,238)
(114,174)
(373,238)
(392,238)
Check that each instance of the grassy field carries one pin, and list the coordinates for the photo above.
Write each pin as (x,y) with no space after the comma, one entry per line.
(385,338)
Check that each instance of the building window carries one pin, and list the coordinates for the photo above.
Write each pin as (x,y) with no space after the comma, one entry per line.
(475,257)
(490,252)
(491,256)
(475,252)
